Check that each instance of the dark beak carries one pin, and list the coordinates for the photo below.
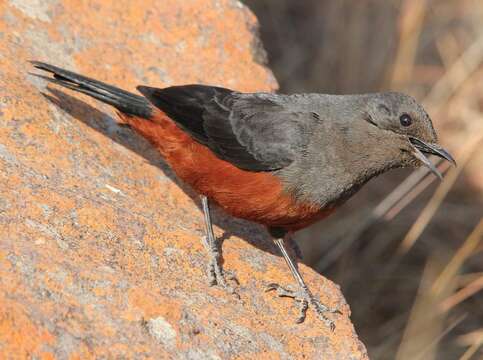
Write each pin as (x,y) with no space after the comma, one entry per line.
(422,148)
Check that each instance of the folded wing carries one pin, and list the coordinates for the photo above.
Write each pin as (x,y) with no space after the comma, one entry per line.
(255,132)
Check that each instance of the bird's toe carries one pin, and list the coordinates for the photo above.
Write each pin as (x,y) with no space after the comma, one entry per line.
(282,291)
(305,300)
(218,277)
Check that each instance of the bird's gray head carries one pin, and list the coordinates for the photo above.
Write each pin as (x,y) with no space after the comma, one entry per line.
(408,127)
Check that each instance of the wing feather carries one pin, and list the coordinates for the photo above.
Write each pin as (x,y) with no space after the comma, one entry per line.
(256,132)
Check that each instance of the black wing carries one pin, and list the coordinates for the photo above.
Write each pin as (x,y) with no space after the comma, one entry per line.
(255,132)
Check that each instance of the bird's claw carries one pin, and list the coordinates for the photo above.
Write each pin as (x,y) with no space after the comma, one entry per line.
(304,298)
(216,275)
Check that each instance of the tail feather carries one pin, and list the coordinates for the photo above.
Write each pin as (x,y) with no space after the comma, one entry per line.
(122,100)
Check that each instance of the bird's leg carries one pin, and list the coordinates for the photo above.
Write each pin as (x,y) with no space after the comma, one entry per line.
(215,270)
(303,295)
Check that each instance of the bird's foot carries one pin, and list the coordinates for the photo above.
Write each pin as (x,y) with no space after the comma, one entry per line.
(304,298)
(216,275)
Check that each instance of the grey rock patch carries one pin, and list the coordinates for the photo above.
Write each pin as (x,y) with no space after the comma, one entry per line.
(162,331)
(197,354)
(35,9)
(6,155)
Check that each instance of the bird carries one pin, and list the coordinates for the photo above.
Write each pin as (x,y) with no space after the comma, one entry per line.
(283,161)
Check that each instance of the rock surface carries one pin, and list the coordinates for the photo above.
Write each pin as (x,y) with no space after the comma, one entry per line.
(100,251)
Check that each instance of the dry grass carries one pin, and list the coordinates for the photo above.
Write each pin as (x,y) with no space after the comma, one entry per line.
(410,263)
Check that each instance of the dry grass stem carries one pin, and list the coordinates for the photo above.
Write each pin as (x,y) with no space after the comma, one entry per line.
(461,295)
(424,328)
(465,251)
(471,338)
(428,212)
(410,25)
(457,74)
(471,350)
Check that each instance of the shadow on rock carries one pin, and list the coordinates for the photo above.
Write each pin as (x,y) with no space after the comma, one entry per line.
(254,234)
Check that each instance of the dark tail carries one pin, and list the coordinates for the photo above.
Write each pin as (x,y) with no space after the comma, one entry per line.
(124,101)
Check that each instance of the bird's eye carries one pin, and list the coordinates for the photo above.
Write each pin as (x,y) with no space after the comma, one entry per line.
(405,120)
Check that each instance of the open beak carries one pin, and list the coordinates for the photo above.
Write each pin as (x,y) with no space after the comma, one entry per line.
(421,148)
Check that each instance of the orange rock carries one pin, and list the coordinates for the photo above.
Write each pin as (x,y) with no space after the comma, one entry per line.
(100,252)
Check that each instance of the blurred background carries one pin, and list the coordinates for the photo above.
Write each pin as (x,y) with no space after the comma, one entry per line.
(407,250)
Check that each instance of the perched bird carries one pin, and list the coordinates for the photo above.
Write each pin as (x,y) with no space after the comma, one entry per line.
(284,161)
